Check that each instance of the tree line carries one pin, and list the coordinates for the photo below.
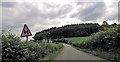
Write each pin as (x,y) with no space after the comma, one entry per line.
(73,30)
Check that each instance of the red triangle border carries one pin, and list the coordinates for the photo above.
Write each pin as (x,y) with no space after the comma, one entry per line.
(23,31)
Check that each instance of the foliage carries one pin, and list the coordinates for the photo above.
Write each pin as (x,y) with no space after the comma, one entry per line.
(107,40)
(15,50)
(52,56)
(74,30)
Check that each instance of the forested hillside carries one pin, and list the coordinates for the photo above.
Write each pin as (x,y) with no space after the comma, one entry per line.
(74,30)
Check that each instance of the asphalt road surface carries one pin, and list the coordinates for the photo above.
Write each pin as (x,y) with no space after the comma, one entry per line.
(70,53)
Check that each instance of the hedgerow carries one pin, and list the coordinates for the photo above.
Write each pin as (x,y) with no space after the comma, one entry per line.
(15,50)
(107,40)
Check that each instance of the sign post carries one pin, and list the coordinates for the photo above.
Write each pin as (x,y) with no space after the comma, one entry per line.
(26,32)
(27,38)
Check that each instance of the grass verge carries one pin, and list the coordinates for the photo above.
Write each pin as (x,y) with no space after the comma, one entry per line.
(112,57)
(51,56)
(77,39)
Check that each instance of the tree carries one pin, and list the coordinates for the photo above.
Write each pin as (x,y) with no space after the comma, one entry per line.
(104,23)
(74,30)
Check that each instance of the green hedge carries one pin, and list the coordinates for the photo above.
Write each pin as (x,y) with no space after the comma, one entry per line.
(15,50)
(107,40)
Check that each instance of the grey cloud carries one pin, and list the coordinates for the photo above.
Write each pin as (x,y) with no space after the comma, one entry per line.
(91,12)
(112,17)
(9,4)
(83,3)
(65,9)
(119,12)
(115,13)
(29,14)
(91,9)
(53,13)
(79,3)
(51,5)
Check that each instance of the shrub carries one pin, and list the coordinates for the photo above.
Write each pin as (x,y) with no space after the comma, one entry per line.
(15,50)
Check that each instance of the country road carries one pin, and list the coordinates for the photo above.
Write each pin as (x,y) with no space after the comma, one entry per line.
(70,53)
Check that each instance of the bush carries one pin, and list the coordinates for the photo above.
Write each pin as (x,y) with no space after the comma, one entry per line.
(15,50)
(105,41)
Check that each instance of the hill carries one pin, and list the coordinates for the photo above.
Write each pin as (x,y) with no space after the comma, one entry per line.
(67,31)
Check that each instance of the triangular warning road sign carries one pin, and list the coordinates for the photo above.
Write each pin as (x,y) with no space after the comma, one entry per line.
(26,32)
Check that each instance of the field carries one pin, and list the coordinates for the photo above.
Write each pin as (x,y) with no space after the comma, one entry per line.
(77,40)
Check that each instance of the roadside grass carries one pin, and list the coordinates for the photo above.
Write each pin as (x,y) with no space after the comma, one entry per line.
(110,56)
(50,57)
(78,40)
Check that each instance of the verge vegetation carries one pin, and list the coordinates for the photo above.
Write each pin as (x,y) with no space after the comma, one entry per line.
(105,43)
(15,50)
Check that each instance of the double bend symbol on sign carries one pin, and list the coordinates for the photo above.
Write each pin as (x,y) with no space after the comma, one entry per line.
(26,32)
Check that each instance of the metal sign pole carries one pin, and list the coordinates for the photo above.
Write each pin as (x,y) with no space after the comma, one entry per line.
(27,38)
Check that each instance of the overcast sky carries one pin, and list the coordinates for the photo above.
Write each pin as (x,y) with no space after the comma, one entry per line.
(46,14)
